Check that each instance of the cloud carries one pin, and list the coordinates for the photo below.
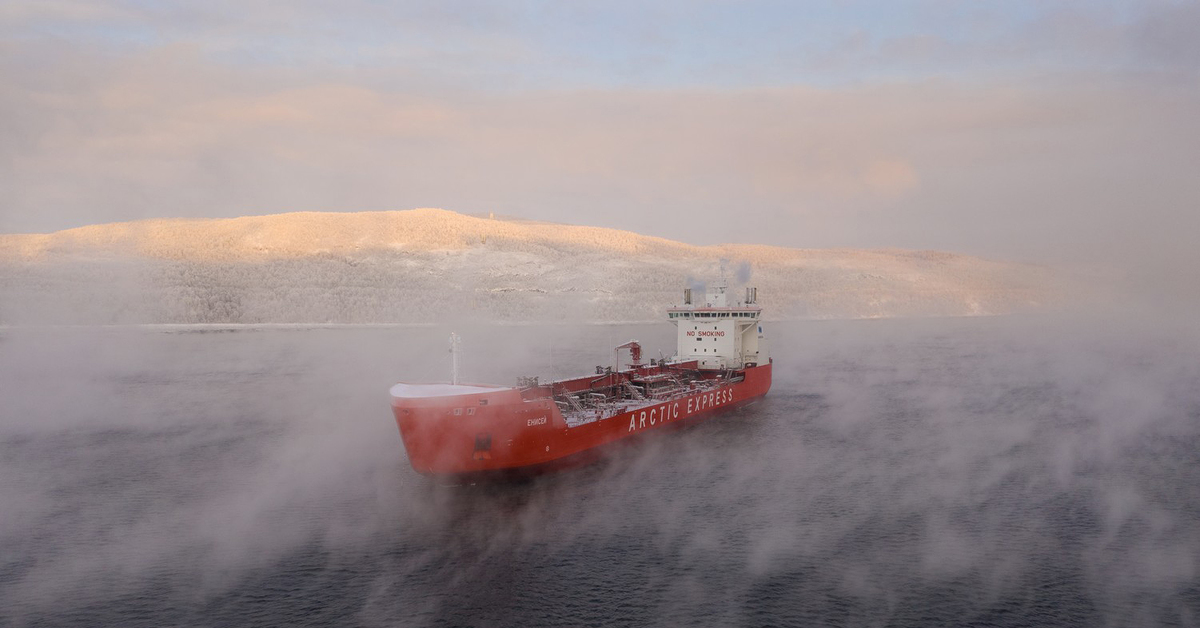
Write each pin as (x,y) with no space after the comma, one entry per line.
(170,134)
(1070,164)
(1166,35)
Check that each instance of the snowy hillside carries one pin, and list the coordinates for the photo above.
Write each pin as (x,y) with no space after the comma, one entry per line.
(429,265)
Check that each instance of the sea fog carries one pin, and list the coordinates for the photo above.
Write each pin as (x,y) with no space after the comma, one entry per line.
(930,472)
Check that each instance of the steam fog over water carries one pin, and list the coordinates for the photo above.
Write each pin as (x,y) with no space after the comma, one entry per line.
(938,472)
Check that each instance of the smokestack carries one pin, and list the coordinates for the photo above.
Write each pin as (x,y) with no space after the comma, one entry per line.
(687,296)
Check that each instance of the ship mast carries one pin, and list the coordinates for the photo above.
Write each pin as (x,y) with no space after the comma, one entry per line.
(454,342)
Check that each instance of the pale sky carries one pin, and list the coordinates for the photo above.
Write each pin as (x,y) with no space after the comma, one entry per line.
(1033,130)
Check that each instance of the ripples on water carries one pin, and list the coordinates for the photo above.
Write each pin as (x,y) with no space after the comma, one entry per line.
(900,473)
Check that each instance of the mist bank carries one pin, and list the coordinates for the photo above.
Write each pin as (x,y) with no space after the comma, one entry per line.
(434,265)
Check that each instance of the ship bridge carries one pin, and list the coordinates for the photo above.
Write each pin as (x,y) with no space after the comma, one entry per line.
(717,333)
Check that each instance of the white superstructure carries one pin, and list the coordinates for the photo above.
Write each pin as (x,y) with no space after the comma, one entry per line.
(719,334)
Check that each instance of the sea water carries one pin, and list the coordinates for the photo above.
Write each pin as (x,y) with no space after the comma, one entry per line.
(936,472)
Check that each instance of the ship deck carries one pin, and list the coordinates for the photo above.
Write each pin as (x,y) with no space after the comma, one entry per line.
(584,400)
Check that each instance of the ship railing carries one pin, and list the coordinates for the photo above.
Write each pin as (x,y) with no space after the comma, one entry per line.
(575,418)
(669,392)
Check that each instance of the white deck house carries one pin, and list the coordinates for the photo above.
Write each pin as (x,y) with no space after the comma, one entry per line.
(718,334)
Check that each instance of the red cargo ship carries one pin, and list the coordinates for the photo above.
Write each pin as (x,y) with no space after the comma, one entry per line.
(470,432)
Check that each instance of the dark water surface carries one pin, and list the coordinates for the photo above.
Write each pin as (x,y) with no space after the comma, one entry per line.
(969,472)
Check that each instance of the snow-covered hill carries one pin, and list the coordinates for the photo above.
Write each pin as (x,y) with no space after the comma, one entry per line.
(430,265)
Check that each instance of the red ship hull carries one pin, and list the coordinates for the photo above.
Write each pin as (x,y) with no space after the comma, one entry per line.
(478,432)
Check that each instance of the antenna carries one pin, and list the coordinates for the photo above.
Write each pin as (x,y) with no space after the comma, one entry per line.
(454,342)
